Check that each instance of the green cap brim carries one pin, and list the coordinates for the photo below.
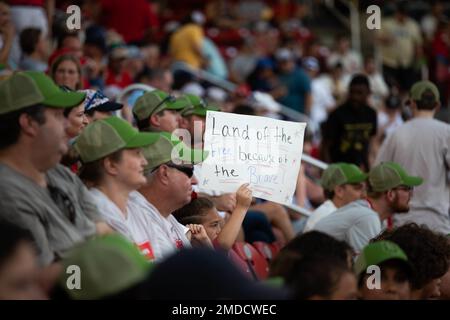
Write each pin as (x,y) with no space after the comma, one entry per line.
(411,181)
(65,100)
(358,178)
(178,104)
(194,156)
(142,139)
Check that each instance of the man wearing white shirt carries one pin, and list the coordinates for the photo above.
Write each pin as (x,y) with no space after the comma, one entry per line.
(342,184)
(168,188)
(389,190)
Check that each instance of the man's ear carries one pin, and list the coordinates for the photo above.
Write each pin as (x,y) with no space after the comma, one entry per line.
(339,191)
(390,195)
(154,120)
(110,166)
(184,123)
(162,174)
(29,126)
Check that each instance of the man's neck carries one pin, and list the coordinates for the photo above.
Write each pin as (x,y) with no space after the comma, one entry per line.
(380,207)
(116,193)
(424,114)
(16,158)
(158,199)
(338,203)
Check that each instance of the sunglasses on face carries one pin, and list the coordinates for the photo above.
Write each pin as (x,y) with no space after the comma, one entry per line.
(189,171)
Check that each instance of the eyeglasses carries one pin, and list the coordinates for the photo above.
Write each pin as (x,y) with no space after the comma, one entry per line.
(63,202)
(189,171)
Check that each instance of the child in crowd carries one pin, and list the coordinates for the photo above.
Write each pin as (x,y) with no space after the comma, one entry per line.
(202,211)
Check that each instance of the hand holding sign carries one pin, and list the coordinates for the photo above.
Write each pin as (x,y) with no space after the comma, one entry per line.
(244,197)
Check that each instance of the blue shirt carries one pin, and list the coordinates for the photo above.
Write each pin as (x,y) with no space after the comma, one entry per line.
(298,85)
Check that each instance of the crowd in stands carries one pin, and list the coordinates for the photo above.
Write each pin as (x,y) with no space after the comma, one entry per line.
(101,151)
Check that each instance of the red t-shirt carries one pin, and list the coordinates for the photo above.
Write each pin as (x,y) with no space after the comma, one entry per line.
(129,18)
(121,80)
(37,3)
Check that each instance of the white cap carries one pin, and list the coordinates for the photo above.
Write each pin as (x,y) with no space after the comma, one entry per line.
(265,101)
(284,54)
(216,94)
(193,88)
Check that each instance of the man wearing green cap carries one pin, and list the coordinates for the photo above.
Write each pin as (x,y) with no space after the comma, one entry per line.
(35,191)
(389,191)
(113,163)
(395,272)
(422,146)
(157,111)
(110,267)
(170,178)
(193,118)
(342,183)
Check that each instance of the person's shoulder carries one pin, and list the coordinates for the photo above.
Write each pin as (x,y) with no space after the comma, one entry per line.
(440,124)
(62,173)
(13,183)
(369,110)
(357,205)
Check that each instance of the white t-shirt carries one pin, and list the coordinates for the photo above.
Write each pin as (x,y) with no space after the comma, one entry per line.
(170,235)
(137,226)
(323,100)
(383,122)
(355,223)
(321,212)
(422,147)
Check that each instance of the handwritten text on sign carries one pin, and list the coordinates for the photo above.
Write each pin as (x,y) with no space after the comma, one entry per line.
(262,151)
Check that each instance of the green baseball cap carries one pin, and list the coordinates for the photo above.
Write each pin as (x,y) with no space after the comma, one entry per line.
(171,149)
(196,106)
(24,89)
(388,175)
(378,252)
(109,135)
(107,265)
(156,101)
(341,173)
(419,88)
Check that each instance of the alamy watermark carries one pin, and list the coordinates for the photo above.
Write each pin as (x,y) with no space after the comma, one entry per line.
(73,281)
(73,21)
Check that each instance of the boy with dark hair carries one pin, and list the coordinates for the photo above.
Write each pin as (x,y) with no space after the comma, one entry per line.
(428,253)
(349,130)
(422,146)
(322,278)
(306,245)
(396,273)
